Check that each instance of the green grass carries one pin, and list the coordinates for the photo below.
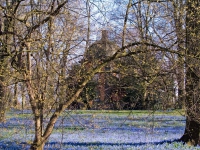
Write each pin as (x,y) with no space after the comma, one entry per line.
(68,129)
(10,114)
(153,123)
(177,112)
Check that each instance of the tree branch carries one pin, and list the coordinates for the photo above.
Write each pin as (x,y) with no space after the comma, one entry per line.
(54,13)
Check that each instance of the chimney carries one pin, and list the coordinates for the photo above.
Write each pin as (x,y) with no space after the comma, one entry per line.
(104,35)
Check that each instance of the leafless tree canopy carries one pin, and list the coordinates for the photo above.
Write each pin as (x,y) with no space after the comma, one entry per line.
(89,54)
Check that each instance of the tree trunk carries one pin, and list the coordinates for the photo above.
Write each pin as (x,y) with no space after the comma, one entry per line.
(39,142)
(37,145)
(191,134)
(23,98)
(178,14)
(192,129)
(192,85)
(2,101)
(6,48)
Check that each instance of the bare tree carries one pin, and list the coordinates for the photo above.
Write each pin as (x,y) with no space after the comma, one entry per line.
(45,41)
(7,39)
(178,12)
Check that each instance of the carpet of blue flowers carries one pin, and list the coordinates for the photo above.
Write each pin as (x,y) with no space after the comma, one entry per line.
(98,130)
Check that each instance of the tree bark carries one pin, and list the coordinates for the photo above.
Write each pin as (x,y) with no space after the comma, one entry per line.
(191,134)
(2,101)
(192,87)
(6,44)
(39,142)
(37,145)
(180,73)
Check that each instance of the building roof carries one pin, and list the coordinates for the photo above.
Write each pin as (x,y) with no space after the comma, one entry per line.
(101,48)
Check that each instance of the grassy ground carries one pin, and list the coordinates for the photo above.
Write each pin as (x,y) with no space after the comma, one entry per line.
(176,112)
(100,129)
